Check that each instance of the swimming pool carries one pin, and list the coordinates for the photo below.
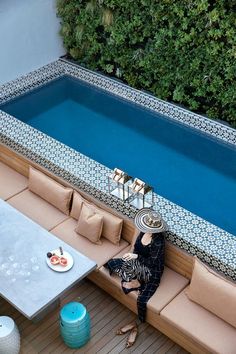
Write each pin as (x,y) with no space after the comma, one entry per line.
(184,165)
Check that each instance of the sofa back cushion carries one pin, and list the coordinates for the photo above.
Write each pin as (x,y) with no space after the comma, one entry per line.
(77,205)
(50,190)
(213,292)
(90,224)
(112,225)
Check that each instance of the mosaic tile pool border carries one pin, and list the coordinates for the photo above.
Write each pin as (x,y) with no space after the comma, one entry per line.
(186,230)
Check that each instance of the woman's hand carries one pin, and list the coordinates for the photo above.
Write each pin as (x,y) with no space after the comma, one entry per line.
(129,256)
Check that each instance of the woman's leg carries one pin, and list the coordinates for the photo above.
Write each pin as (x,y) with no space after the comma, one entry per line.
(145,294)
(128,286)
(131,285)
(134,283)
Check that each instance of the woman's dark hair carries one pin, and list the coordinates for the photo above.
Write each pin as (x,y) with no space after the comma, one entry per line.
(155,234)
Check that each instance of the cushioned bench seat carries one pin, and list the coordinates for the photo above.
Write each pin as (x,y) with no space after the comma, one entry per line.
(171,285)
(99,253)
(11,182)
(37,209)
(216,335)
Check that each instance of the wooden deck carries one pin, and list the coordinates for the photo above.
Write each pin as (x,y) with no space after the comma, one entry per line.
(106,316)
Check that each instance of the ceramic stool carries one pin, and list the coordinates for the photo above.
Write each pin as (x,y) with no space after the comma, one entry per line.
(74,324)
(9,336)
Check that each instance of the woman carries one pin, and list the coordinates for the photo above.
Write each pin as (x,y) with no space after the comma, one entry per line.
(142,269)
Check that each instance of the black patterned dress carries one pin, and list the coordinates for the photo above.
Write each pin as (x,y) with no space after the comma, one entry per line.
(147,268)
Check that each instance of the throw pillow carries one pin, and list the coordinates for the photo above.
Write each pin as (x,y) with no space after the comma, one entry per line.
(90,224)
(50,190)
(213,292)
(112,225)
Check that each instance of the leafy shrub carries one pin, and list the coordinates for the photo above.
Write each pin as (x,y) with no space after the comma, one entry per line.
(179,50)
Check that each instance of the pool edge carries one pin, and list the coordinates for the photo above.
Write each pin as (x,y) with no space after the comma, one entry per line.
(211,246)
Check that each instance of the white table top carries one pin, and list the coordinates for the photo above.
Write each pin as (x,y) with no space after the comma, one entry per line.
(26,281)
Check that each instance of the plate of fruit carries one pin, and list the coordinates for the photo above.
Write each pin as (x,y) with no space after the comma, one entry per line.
(59,260)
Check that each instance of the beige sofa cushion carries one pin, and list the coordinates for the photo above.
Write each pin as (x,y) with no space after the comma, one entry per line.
(100,254)
(213,292)
(37,209)
(112,225)
(90,224)
(77,205)
(50,190)
(170,286)
(210,331)
(11,182)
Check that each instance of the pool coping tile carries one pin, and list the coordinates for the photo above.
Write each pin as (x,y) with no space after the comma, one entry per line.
(189,232)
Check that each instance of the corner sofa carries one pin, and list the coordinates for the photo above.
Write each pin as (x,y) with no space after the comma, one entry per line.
(170,310)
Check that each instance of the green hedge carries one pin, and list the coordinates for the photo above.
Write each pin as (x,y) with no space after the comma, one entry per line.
(182,51)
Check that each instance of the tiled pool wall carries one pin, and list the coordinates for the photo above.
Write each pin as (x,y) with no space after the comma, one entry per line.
(186,230)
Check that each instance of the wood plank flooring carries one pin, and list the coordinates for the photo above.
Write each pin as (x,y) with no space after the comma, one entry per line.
(107,315)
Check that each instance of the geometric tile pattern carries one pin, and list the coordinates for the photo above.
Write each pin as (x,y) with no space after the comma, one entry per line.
(213,245)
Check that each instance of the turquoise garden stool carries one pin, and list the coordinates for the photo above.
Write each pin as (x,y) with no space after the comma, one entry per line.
(75,324)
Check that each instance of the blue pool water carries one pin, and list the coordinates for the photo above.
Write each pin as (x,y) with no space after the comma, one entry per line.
(187,167)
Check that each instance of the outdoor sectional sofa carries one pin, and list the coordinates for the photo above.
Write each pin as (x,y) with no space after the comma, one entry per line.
(169,310)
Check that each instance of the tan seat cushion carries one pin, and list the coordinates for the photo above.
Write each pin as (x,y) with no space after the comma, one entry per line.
(90,224)
(171,285)
(112,225)
(99,253)
(213,292)
(37,209)
(50,190)
(11,182)
(213,333)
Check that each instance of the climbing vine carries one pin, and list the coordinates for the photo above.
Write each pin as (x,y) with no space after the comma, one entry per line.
(182,51)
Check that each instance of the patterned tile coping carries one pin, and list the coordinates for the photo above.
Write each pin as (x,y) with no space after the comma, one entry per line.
(186,230)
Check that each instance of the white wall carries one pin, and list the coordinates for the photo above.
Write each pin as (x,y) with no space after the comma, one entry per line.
(28,36)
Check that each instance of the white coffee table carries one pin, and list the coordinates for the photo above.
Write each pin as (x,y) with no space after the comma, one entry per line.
(26,281)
